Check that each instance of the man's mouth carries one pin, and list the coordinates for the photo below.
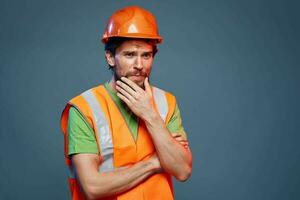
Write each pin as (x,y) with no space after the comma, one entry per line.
(138,75)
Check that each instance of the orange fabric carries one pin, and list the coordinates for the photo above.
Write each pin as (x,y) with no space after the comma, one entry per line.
(126,150)
(76,193)
(86,112)
(132,22)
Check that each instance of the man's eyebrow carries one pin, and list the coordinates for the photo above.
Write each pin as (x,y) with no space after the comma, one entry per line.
(127,52)
(147,52)
(133,51)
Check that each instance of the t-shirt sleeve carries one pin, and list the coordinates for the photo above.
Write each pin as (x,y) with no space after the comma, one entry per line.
(81,136)
(175,123)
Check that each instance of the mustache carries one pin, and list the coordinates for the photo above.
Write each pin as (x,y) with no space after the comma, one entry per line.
(138,73)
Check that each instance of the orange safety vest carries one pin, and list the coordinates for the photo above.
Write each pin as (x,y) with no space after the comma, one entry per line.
(116,144)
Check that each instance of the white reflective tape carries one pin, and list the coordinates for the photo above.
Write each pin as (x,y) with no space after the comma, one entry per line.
(104,134)
(161,102)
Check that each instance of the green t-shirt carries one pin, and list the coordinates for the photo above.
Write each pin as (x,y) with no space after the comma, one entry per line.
(81,135)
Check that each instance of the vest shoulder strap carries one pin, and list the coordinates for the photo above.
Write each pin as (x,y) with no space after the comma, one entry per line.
(165,103)
(102,128)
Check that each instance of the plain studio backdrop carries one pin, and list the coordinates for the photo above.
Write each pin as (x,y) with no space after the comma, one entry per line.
(233,66)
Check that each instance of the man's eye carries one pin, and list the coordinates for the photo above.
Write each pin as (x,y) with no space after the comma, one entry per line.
(129,54)
(148,55)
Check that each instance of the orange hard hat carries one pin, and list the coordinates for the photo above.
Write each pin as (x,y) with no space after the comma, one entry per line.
(132,22)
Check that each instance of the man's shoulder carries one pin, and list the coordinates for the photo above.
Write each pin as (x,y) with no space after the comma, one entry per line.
(98,88)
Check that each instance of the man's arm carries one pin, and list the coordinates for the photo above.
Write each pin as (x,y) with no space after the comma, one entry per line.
(174,158)
(98,185)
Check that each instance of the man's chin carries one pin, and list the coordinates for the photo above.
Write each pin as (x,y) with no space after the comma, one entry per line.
(139,81)
(140,84)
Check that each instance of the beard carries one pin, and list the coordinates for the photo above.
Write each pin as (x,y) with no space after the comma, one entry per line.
(138,77)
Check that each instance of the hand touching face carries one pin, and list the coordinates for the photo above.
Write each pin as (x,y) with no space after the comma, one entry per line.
(140,101)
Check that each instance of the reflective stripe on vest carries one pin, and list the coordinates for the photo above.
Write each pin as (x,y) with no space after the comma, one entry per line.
(104,135)
(161,102)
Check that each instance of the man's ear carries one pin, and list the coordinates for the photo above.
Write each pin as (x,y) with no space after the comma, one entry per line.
(110,59)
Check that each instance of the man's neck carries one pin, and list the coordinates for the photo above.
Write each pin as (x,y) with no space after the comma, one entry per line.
(112,83)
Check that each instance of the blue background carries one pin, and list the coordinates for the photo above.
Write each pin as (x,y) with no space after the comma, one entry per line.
(233,65)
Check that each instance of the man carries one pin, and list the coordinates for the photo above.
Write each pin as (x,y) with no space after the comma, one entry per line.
(124,139)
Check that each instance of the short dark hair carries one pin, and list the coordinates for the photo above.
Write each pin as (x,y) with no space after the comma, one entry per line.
(114,42)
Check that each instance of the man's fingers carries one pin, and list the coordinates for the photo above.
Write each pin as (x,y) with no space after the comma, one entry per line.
(125,93)
(126,87)
(147,86)
(179,138)
(123,98)
(184,143)
(133,85)
(175,135)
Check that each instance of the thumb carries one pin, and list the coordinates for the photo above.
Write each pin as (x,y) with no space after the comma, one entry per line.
(147,86)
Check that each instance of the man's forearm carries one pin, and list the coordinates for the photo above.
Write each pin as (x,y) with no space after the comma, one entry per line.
(174,158)
(97,185)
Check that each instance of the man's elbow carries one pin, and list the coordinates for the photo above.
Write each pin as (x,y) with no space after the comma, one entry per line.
(185,174)
(90,193)
(186,170)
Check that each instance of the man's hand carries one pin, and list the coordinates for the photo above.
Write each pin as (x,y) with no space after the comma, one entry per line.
(181,140)
(138,100)
(155,163)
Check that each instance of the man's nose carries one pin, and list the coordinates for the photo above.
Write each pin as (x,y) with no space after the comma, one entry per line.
(138,63)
